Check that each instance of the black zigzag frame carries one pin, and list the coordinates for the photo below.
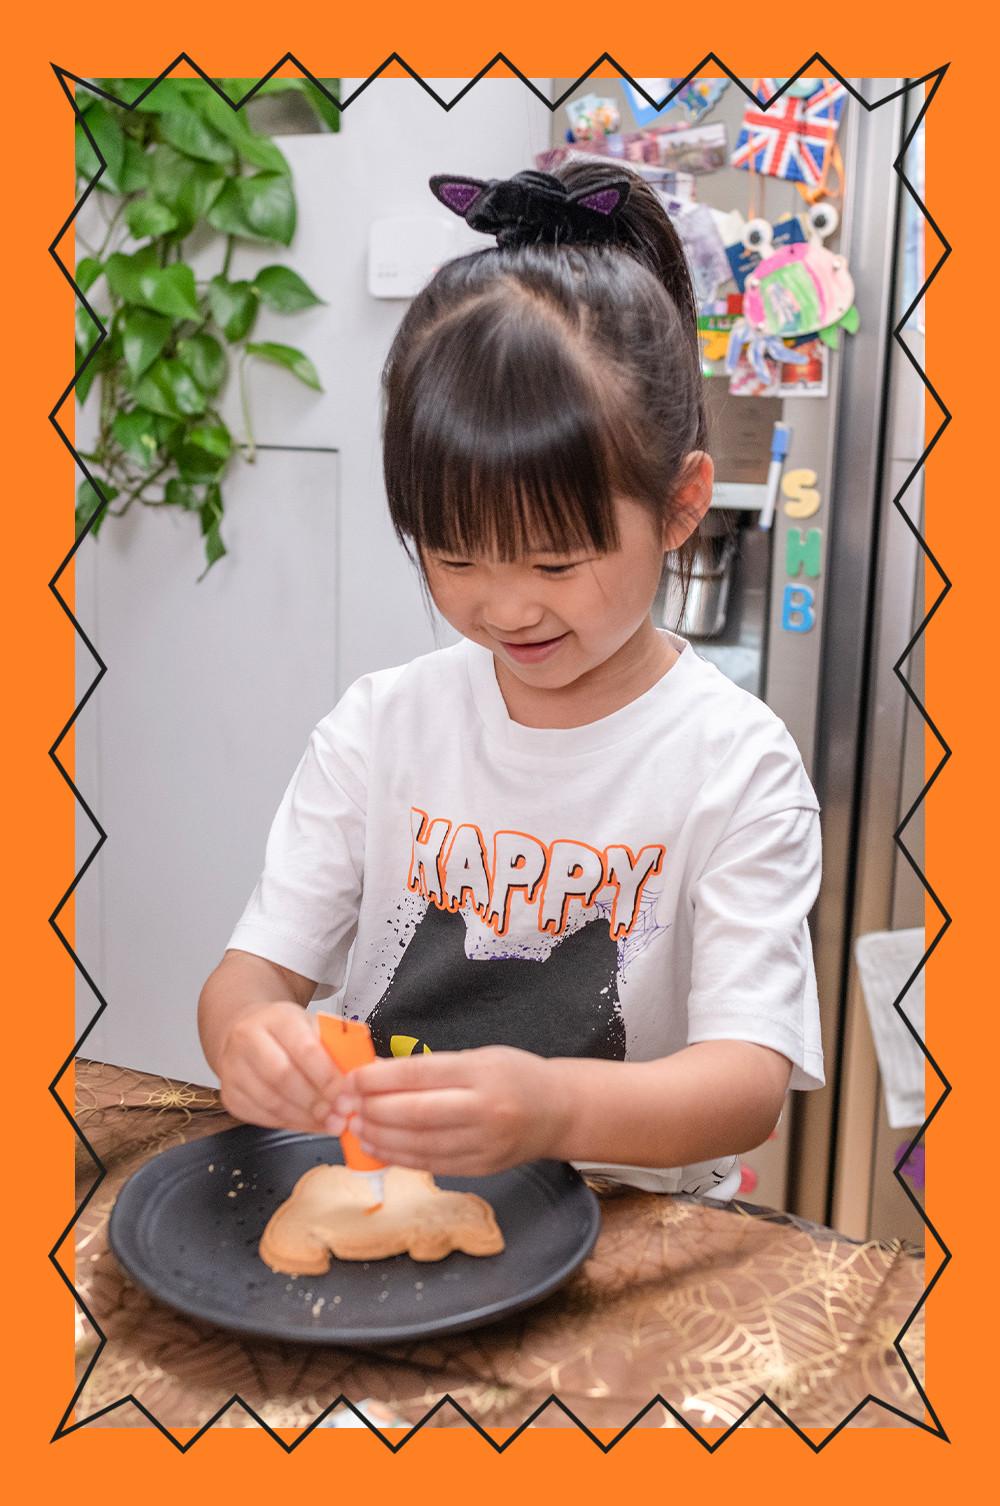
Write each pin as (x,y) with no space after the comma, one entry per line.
(65,1427)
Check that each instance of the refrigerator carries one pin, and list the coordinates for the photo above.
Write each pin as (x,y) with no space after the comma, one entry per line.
(820,605)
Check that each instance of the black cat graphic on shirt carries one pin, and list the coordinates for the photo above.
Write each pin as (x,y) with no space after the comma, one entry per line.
(563,1005)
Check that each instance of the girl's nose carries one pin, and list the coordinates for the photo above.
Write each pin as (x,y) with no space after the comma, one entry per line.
(509,619)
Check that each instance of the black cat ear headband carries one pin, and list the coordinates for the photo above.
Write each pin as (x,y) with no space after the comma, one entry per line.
(533,206)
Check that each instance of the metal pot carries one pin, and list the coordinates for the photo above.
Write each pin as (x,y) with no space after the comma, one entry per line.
(703,613)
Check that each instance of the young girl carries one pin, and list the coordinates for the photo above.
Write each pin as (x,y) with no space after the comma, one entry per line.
(573,859)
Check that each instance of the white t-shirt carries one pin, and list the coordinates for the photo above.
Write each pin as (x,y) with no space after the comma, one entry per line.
(620,889)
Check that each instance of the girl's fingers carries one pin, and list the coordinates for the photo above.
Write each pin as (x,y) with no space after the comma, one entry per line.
(445,1108)
(417,1148)
(298,1037)
(406,1074)
(258,1102)
(272,1066)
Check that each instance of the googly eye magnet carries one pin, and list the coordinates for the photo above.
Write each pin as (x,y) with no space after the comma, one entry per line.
(823,220)
(757,236)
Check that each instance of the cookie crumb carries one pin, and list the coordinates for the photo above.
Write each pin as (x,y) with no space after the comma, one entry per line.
(230,1193)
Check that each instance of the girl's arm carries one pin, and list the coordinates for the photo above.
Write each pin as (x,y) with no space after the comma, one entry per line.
(714,1098)
(475,1112)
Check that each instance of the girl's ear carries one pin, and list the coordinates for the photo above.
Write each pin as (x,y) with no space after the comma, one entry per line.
(692,497)
(456,194)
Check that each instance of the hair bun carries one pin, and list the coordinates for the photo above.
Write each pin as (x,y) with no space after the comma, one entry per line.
(533,207)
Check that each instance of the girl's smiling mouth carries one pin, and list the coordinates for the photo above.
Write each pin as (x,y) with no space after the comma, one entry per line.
(533,653)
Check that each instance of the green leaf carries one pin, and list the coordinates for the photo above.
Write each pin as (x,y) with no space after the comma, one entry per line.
(188,188)
(182,494)
(86,158)
(110,139)
(168,431)
(235,127)
(284,290)
(88,270)
(147,217)
(87,332)
(328,113)
(261,208)
(106,356)
(234,306)
(125,89)
(204,453)
(135,432)
(166,290)
(87,499)
(170,94)
(205,358)
(211,519)
(123,272)
(135,168)
(189,133)
(293,360)
(169,388)
(143,337)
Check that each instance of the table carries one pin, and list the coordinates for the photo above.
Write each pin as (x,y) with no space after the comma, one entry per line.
(705,1305)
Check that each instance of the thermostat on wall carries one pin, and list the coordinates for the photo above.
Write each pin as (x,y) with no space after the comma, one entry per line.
(404,251)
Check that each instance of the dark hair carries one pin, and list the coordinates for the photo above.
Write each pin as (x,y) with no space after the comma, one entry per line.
(527,386)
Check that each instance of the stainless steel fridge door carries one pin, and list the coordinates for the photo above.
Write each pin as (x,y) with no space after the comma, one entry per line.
(869,582)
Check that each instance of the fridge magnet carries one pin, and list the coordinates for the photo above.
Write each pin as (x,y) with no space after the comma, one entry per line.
(798,608)
(809,378)
(801,88)
(801,289)
(744,257)
(752,379)
(703,248)
(701,150)
(591,116)
(794,138)
(688,106)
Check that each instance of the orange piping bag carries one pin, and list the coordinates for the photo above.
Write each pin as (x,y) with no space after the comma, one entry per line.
(349,1044)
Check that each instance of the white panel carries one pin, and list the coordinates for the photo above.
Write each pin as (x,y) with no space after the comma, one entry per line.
(210,695)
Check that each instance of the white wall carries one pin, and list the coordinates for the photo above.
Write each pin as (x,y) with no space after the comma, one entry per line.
(211,689)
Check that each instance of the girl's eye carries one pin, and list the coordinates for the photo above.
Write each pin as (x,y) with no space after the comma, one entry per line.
(456,564)
(556,569)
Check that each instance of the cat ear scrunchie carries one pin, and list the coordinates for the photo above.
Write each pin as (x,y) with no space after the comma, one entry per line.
(533,207)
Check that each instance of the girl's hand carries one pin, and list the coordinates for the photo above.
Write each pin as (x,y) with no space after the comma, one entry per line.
(459,1113)
(274,1071)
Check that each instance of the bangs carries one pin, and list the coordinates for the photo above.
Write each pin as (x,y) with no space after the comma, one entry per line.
(496,442)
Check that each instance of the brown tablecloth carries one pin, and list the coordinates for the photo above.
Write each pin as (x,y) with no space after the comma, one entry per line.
(706,1305)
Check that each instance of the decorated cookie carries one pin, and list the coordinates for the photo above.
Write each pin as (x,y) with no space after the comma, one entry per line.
(333,1211)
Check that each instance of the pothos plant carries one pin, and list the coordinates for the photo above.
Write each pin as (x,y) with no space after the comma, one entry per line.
(180,163)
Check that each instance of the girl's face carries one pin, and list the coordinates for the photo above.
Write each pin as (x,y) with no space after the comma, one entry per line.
(552,618)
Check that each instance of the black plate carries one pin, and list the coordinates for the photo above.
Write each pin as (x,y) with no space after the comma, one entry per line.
(180,1233)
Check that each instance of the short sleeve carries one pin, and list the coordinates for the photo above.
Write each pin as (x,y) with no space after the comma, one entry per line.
(752,974)
(303,911)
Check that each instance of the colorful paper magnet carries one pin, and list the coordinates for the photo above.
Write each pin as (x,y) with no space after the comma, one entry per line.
(811,377)
(743,260)
(689,105)
(802,87)
(793,138)
(801,289)
(591,116)
(703,248)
